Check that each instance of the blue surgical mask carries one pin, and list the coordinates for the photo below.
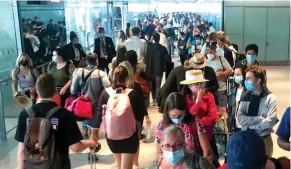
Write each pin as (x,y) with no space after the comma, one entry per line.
(250,85)
(54,58)
(251,58)
(173,157)
(238,79)
(177,120)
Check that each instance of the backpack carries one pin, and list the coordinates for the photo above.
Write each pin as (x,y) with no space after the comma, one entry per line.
(39,140)
(118,117)
(82,106)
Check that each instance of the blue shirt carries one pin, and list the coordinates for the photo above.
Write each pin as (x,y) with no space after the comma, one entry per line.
(284,127)
(191,40)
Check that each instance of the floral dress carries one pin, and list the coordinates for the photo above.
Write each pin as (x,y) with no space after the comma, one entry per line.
(188,130)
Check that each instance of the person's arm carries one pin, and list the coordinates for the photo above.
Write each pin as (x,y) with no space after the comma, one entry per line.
(20,155)
(74,136)
(271,116)
(212,115)
(203,50)
(112,48)
(82,53)
(283,143)
(75,84)
(212,84)
(65,88)
(227,68)
(15,81)
(205,146)
(104,79)
(82,145)
(243,119)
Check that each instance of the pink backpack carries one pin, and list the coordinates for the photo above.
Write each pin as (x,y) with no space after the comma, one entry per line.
(118,118)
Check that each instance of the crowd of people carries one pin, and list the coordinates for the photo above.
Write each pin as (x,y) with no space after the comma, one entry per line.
(40,41)
(216,95)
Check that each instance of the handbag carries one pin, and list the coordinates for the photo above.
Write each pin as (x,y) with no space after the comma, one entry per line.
(81,106)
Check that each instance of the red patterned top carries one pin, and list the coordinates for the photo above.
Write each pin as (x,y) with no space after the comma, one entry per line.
(188,130)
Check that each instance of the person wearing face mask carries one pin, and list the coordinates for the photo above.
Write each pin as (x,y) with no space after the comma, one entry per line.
(24,77)
(182,50)
(258,107)
(234,98)
(191,42)
(172,84)
(62,70)
(223,70)
(97,81)
(252,51)
(211,40)
(201,104)
(176,113)
(223,50)
(105,50)
(174,154)
(74,50)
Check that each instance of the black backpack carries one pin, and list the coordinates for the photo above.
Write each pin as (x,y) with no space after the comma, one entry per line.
(39,140)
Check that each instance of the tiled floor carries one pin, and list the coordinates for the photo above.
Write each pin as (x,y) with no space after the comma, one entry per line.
(278,83)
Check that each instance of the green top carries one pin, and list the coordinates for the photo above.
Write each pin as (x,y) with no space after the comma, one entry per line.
(62,76)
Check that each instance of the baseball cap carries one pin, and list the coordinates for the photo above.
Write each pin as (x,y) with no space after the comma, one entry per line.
(245,150)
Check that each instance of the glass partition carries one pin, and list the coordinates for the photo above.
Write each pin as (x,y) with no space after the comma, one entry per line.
(43,28)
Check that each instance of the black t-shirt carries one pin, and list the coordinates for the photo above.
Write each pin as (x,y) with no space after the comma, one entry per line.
(67,133)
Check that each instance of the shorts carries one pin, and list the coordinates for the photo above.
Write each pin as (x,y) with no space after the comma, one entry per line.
(93,123)
(221,98)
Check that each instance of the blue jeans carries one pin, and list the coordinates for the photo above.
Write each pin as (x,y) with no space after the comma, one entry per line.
(170,46)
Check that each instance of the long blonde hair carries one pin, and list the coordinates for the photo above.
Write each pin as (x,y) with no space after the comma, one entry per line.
(30,64)
(130,71)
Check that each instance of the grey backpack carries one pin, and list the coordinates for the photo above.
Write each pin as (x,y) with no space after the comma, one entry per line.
(39,140)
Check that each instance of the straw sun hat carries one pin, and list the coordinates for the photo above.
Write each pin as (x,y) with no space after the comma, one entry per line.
(198,60)
(193,76)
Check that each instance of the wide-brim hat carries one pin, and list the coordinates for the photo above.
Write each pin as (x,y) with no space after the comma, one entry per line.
(23,101)
(198,60)
(193,76)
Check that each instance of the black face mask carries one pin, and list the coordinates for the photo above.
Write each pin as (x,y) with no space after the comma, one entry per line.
(91,60)
(23,62)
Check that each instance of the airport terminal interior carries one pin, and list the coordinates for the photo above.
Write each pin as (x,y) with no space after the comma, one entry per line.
(241,22)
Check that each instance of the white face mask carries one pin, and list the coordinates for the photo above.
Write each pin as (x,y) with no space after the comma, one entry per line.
(210,56)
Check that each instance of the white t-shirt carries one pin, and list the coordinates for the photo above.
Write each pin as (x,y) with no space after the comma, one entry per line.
(237,99)
(220,66)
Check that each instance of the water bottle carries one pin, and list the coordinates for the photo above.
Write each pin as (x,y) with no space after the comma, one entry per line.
(148,132)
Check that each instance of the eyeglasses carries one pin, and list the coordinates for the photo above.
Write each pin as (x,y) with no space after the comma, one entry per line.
(168,147)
